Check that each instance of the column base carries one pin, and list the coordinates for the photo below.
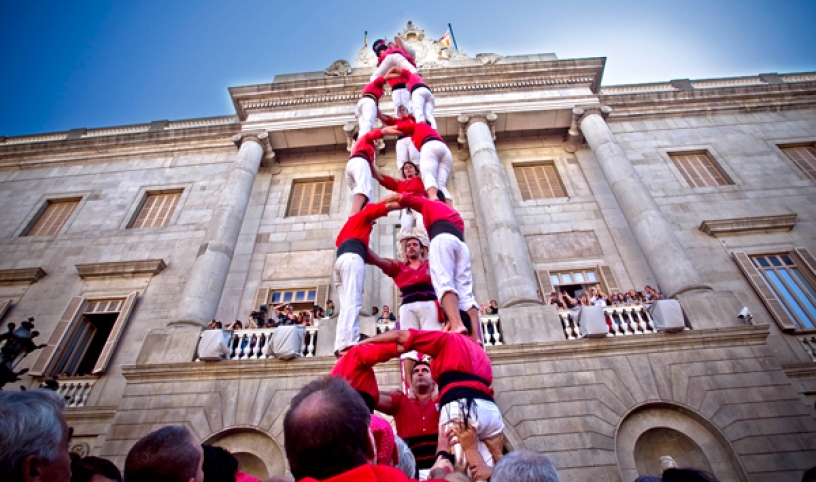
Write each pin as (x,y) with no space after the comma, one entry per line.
(711,309)
(530,323)
(175,344)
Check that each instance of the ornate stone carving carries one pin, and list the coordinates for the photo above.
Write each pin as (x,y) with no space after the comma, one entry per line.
(430,54)
(489,58)
(80,448)
(339,68)
(465,120)
(262,138)
(579,113)
(667,462)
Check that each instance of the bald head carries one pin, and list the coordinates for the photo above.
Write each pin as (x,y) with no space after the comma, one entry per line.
(525,466)
(325,430)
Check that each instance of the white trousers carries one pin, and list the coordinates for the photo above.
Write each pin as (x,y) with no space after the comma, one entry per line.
(358,176)
(423,101)
(419,315)
(401,97)
(406,151)
(366,114)
(349,281)
(393,60)
(435,161)
(485,417)
(450,270)
(408,219)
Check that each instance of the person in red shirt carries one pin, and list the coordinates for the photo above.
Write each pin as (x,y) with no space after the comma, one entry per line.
(358,169)
(349,271)
(411,184)
(357,368)
(422,99)
(367,107)
(395,54)
(435,159)
(416,417)
(419,308)
(462,369)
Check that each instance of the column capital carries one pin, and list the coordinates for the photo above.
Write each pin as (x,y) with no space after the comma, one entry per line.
(467,120)
(580,112)
(260,137)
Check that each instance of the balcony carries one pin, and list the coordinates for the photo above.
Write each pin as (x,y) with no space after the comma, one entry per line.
(251,344)
(623,320)
(491,329)
(76,391)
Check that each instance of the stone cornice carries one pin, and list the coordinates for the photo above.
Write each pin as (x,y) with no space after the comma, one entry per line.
(752,225)
(720,96)
(21,275)
(121,268)
(445,82)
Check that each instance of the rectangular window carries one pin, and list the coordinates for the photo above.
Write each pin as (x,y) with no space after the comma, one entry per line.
(53,217)
(699,169)
(790,285)
(804,157)
(538,181)
(310,197)
(157,209)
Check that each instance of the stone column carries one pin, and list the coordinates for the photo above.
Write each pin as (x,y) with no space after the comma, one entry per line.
(673,270)
(509,259)
(205,283)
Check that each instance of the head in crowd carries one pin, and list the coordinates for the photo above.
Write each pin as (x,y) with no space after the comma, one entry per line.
(413,249)
(219,465)
(525,466)
(403,112)
(421,377)
(809,475)
(409,170)
(33,437)
(379,47)
(94,469)
(170,454)
(687,475)
(457,477)
(385,441)
(374,310)
(407,462)
(326,430)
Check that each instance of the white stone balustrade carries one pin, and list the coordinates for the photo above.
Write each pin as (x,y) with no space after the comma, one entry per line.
(76,392)
(250,344)
(622,320)
(383,327)
(491,330)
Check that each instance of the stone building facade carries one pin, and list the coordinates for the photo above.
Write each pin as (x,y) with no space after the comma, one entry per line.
(123,242)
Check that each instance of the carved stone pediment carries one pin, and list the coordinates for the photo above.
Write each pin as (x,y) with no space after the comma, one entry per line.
(430,54)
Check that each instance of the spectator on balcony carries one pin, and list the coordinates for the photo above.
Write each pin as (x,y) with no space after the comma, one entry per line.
(93,469)
(34,437)
(583,300)
(305,318)
(556,300)
(631,297)
(375,311)
(285,315)
(617,299)
(493,308)
(386,316)
(597,297)
(330,311)
(482,310)
(318,312)
(170,454)
(235,325)
(652,294)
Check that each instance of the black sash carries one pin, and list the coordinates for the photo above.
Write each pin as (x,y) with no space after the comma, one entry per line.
(417,86)
(398,86)
(353,245)
(461,392)
(429,138)
(442,226)
(418,292)
(369,94)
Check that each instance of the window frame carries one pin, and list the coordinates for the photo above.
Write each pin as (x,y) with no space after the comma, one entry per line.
(138,202)
(528,165)
(291,192)
(672,155)
(42,204)
(780,146)
(561,167)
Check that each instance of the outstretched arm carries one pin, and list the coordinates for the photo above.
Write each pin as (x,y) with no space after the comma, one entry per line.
(400,337)
(384,264)
(391,131)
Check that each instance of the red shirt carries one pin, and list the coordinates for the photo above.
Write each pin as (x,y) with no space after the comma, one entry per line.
(432,211)
(358,226)
(369,473)
(411,79)
(409,186)
(452,352)
(418,424)
(404,275)
(375,88)
(356,366)
(366,146)
(419,132)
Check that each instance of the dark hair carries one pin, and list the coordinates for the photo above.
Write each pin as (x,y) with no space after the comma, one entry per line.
(219,464)
(809,475)
(421,362)
(378,45)
(169,454)
(325,431)
(83,470)
(440,195)
(402,169)
(687,475)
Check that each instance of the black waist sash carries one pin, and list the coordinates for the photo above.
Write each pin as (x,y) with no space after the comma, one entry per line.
(369,94)
(442,226)
(361,155)
(424,449)
(429,138)
(398,86)
(461,392)
(418,292)
(353,245)
(417,86)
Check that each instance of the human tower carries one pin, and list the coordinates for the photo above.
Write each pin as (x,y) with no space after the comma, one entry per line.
(443,279)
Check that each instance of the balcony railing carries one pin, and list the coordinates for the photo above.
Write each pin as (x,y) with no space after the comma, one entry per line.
(383,327)
(491,330)
(809,344)
(620,320)
(251,344)
(76,392)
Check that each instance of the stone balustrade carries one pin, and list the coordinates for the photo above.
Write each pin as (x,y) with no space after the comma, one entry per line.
(622,320)
(250,344)
(491,330)
(383,327)
(76,391)
(809,344)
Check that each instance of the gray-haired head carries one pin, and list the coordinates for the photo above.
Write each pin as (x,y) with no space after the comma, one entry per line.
(525,466)
(407,462)
(31,423)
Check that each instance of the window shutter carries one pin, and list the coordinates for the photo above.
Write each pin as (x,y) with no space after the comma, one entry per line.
(4,305)
(766,294)
(609,280)
(544,282)
(801,255)
(322,296)
(261,298)
(116,332)
(47,355)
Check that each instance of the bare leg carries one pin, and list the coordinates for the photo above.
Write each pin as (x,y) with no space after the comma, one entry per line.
(475,324)
(496,447)
(357,203)
(450,303)
(408,365)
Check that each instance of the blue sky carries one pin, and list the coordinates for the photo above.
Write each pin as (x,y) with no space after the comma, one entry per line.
(96,63)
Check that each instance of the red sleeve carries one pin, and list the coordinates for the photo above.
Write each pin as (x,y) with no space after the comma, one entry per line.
(374,211)
(392,269)
(396,399)
(373,353)
(379,81)
(389,183)
(414,202)
(389,121)
(372,136)
(406,127)
(427,342)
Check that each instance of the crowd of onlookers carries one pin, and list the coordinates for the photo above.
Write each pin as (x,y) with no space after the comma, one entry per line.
(595,297)
(326,434)
(281,315)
